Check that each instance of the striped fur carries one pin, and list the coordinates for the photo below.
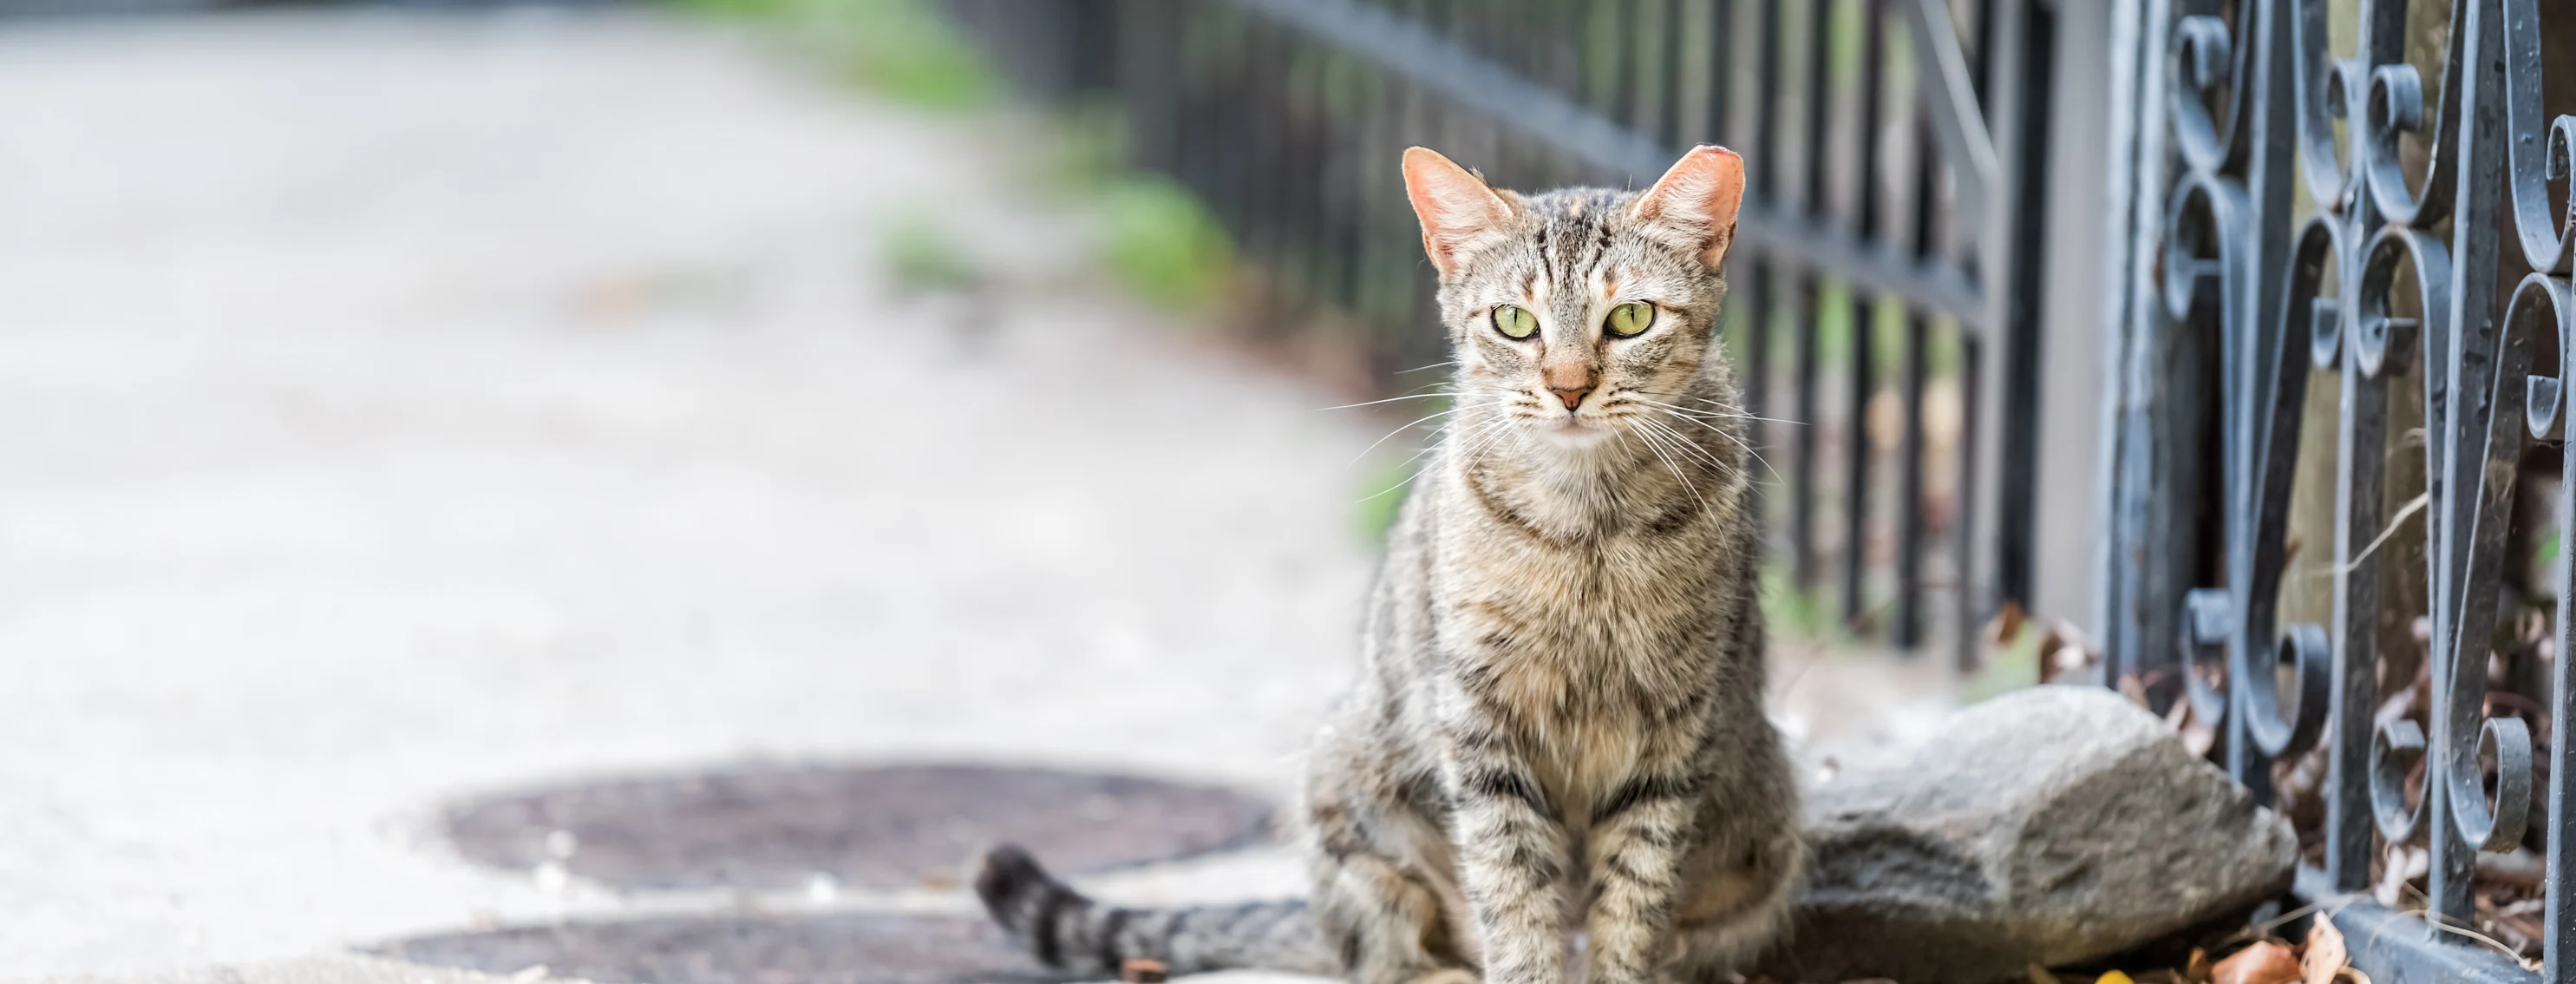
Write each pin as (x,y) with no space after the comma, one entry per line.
(1558,724)
(1070,932)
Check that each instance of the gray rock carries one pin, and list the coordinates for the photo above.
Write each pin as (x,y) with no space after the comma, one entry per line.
(2050,826)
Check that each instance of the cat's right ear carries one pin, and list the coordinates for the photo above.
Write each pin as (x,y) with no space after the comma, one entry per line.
(1458,210)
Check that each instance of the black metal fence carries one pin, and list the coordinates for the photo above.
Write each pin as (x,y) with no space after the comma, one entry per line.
(2351,236)
(1885,293)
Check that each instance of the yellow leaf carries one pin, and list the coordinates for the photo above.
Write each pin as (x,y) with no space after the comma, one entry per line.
(2113,977)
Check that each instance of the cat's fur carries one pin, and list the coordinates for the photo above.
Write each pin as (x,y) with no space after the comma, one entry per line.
(1558,725)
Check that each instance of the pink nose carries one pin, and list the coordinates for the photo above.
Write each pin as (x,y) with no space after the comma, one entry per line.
(1572,395)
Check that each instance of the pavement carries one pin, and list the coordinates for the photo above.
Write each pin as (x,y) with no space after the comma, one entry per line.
(400,407)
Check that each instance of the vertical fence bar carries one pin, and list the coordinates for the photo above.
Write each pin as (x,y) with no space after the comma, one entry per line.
(2461,639)
(1907,630)
(1815,98)
(1864,323)
(1762,179)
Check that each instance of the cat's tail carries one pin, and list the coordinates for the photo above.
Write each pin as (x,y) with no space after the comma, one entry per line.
(1070,932)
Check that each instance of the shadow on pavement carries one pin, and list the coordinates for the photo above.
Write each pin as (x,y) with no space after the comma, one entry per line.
(819,828)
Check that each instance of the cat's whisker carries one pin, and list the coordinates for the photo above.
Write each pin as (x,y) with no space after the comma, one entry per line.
(1732,410)
(1496,437)
(1704,454)
(1409,425)
(1655,447)
(1726,414)
(1683,445)
(1449,433)
(1409,396)
(1739,442)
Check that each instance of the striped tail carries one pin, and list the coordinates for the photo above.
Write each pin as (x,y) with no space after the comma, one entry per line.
(1072,933)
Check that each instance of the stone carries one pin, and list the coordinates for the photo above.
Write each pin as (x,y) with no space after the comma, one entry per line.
(2046,826)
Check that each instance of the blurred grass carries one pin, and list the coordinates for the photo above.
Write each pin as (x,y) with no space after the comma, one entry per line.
(1158,242)
(1789,611)
(921,256)
(902,49)
(1161,243)
(1381,498)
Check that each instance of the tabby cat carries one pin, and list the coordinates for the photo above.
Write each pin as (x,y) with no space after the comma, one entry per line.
(1557,735)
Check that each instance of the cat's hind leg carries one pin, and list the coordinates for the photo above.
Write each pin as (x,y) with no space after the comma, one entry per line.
(1740,908)
(1382,912)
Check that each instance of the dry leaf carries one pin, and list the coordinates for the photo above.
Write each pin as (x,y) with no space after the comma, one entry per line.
(2197,969)
(2325,953)
(2199,738)
(2133,689)
(2040,975)
(2005,628)
(2265,962)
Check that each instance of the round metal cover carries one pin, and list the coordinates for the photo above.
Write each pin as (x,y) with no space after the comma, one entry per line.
(853,948)
(773,828)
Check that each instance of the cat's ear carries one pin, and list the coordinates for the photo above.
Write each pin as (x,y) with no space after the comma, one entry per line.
(1697,199)
(1458,209)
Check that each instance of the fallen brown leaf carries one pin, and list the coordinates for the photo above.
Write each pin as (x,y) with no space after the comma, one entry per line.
(2197,969)
(2265,962)
(2324,956)
(2039,974)
(2005,627)
(2133,689)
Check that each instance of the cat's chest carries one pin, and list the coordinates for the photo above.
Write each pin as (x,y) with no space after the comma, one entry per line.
(1564,637)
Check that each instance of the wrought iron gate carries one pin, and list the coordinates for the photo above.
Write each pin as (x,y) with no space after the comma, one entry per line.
(1895,154)
(2307,215)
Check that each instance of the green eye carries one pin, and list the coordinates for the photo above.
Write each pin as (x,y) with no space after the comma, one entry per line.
(1515,322)
(1630,319)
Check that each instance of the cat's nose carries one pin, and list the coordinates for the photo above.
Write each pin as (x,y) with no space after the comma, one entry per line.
(1572,394)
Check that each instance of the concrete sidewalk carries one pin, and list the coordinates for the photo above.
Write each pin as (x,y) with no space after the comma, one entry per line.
(401,407)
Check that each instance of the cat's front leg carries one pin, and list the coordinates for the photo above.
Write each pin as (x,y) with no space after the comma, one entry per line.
(1641,836)
(1511,856)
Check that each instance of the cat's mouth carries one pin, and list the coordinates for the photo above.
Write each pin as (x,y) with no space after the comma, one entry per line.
(1574,432)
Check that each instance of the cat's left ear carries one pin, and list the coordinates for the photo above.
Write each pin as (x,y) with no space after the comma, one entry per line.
(1697,200)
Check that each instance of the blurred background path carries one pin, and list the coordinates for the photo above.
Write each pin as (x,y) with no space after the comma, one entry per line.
(396,409)
(399,407)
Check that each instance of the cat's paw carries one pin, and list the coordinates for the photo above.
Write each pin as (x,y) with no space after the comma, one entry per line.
(1450,975)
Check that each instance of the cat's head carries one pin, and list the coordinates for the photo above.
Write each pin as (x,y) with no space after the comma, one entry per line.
(1578,312)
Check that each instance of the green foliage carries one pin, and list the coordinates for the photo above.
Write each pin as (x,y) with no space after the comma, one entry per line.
(921,256)
(2010,666)
(899,48)
(1791,612)
(1382,497)
(1161,243)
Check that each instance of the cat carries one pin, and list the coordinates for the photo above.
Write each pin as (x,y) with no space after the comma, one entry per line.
(1558,724)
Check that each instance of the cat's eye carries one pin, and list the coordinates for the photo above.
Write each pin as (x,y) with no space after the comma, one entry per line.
(1630,319)
(1514,322)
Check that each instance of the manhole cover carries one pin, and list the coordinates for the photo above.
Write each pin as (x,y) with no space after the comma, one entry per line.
(747,949)
(790,828)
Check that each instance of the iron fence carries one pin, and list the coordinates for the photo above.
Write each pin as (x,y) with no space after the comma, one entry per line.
(2350,235)
(1885,294)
